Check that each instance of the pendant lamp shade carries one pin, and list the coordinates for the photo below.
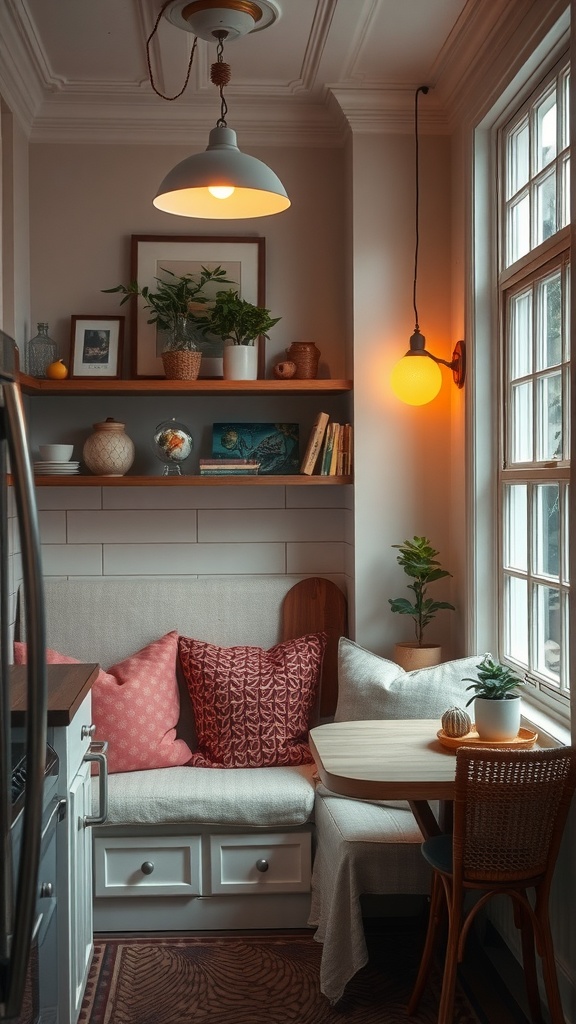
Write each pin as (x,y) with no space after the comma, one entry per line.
(416,379)
(247,187)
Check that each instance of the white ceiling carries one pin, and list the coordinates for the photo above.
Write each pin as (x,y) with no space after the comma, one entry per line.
(76,69)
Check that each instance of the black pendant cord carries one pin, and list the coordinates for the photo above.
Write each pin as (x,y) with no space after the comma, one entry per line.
(150,73)
(424,89)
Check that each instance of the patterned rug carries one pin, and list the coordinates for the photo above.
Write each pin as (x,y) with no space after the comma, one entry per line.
(258,979)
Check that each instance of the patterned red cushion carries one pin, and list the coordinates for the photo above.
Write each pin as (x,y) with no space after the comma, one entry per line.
(252,707)
(135,706)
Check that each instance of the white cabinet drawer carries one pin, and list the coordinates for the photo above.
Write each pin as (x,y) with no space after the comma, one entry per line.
(270,863)
(160,866)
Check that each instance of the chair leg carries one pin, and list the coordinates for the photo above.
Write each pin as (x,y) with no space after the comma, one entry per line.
(523,921)
(446,1009)
(435,916)
(546,949)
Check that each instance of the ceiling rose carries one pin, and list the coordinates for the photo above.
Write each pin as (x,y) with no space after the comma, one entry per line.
(236,18)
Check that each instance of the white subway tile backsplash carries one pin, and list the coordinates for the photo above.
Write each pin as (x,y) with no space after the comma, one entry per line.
(316,497)
(315,558)
(52,527)
(273,525)
(141,526)
(192,497)
(72,559)
(190,559)
(68,497)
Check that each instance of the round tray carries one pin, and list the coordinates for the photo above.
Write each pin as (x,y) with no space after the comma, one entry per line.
(525,739)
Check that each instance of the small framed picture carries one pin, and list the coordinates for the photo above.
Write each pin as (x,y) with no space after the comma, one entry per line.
(96,346)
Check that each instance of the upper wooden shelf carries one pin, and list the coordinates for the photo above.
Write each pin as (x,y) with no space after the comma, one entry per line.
(294,480)
(161,386)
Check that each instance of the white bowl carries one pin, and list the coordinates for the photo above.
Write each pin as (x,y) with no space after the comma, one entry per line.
(56,452)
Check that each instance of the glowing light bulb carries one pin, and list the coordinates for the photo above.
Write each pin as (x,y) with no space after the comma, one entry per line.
(221,191)
(416,379)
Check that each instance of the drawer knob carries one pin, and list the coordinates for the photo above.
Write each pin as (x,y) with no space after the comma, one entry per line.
(86,731)
(46,890)
(262,865)
(147,867)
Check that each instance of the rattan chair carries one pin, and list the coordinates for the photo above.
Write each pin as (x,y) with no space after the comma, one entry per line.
(510,808)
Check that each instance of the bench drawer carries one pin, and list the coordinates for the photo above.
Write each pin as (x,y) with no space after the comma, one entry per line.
(251,864)
(162,866)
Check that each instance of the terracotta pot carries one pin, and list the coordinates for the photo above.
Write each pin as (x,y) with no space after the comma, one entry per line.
(108,451)
(410,655)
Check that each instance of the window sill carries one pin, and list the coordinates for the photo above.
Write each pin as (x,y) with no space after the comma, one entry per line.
(551,732)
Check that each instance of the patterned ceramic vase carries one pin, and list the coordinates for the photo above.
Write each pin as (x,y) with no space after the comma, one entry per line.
(108,451)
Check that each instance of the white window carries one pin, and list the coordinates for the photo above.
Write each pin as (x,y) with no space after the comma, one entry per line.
(534,462)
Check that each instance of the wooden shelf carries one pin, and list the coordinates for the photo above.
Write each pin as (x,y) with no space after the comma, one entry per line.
(161,386)
(295,480)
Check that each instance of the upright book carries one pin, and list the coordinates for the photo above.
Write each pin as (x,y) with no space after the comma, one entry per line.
(314,443)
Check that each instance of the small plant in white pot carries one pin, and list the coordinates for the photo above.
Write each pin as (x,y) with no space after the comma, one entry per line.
(497,703)
(239,323)
(418,559)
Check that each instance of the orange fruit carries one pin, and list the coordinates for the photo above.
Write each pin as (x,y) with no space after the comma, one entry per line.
(57,370)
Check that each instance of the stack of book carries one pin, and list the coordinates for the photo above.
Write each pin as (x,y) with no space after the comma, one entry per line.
(229,467)
(329,448)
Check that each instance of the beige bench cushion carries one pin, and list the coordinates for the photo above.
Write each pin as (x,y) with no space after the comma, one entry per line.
(250,797)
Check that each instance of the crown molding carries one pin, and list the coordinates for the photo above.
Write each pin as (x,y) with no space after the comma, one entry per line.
(389,110)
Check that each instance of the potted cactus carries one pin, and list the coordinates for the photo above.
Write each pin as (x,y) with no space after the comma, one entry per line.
(496,700)
(418,559)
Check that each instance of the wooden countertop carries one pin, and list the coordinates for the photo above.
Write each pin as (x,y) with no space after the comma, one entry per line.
(67,688)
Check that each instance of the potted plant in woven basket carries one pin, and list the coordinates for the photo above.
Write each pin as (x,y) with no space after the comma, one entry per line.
(175,305)
(418,559)
(239,323)
(496,700)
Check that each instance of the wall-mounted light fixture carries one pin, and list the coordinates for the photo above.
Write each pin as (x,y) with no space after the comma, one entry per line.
(220,183)
(416,378)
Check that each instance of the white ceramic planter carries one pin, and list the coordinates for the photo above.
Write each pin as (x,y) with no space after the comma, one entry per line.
(240,362)
(497,719)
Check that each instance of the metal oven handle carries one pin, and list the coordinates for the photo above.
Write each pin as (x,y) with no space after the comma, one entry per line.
(97,753)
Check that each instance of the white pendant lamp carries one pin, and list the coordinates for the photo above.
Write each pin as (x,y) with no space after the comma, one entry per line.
(221,183)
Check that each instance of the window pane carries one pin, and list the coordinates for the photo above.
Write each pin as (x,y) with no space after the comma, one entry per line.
(566,652)
(518,229)
(516,611)
(546,131)
(518,158)
(548,634)
(516,527)
(521,424)
(549,324)
(547,529)
(565,193)
(565,129)
(550,418)
(546,207)
(521,335)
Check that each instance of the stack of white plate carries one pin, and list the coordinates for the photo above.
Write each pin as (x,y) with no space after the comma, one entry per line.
(56,468)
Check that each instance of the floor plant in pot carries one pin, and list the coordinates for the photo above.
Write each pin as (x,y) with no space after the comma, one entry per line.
(176,304)
(239,323)
(418,559)
(497,703)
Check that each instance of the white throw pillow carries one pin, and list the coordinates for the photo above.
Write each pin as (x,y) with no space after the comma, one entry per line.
(370,687)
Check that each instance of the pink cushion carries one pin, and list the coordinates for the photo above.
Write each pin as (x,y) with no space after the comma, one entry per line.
(135,706)
(252,707)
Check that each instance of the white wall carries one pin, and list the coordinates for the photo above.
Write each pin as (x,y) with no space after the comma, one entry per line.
(403,464)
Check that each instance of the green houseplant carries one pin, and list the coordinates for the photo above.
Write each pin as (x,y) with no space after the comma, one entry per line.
(418,559)
(496,700)
(175,304)
(239,323)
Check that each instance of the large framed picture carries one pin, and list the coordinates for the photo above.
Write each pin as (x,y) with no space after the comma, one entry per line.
(96,346)
(243,259)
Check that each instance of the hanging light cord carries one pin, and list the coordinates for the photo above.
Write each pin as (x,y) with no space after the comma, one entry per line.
(150,73)
(424,89)
(220,75)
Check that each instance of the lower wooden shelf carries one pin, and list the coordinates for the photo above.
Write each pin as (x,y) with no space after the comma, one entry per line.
(295,480)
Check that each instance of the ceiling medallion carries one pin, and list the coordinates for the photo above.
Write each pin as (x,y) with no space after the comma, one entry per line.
(205,18)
